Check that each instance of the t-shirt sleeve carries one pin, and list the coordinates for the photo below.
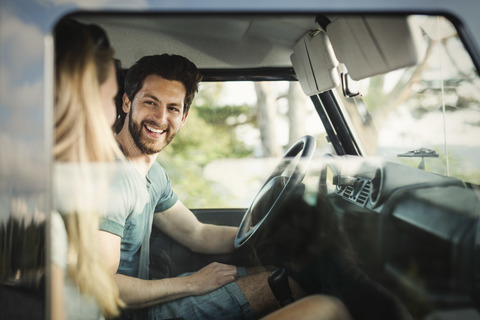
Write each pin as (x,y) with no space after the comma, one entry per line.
(161,183)
(167,203)
(112,226)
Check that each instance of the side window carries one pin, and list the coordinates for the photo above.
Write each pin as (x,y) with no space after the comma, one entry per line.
(426,116)
(235,134)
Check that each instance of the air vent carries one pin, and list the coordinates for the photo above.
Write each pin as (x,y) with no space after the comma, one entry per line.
(364,193)
(347,193)
(358,194)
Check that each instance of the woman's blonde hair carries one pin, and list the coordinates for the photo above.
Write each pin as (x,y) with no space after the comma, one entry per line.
(82,135)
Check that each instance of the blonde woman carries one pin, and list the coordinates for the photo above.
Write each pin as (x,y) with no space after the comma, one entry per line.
(86,168)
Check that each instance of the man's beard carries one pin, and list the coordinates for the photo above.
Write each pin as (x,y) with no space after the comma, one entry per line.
(146,147)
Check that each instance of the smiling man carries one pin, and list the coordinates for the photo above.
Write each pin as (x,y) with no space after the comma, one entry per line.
(159,125)
(158,93)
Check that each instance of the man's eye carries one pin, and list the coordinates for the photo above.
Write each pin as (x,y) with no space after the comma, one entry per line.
(176,110)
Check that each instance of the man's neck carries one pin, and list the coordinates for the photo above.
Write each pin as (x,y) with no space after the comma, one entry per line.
(142,162)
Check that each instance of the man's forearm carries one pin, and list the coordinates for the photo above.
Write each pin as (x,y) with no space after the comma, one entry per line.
(216,239)
(182,225)
(139,293)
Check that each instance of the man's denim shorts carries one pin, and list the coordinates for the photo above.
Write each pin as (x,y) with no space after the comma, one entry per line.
(227,302)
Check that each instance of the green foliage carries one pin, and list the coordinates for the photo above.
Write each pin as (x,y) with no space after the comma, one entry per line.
(208,94)
(209,133)
(188,182)
(223,116)
(202,141)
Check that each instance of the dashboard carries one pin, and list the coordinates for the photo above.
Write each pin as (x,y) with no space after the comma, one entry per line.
(371,183)
(410,227)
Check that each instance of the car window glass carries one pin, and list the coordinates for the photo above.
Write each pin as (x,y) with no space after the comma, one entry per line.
(219,159)
(428,115)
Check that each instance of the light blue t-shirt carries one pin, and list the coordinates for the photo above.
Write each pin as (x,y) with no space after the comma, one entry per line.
(135,227)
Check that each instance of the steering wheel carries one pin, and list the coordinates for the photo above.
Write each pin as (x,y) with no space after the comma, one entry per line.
(288,173)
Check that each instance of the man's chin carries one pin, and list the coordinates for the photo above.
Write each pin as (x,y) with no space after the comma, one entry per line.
(150,149)
(151,146)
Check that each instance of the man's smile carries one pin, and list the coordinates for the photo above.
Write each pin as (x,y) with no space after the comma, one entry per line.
(153,130)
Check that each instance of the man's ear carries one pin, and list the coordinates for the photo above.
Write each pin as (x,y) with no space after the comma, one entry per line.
(126,103)
(184,118)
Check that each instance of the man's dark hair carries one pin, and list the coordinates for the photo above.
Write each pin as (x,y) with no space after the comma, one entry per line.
(167,66)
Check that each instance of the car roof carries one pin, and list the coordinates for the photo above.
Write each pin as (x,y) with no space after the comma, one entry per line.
(211,41)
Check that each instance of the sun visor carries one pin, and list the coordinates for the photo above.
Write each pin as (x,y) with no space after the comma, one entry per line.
(375,45)
(315,63)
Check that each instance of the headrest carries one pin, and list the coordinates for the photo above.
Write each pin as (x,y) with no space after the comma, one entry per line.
(375,45)
(315,64)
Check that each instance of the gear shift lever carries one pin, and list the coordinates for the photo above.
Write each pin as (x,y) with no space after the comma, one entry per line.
(278,282)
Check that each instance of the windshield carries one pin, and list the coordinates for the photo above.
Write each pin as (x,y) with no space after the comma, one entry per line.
(428,115)
(235,135)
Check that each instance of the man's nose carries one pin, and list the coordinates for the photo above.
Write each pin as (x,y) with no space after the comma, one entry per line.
(161,113)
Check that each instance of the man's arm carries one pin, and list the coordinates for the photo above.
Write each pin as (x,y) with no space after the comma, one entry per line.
(181,224)
(138,293)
